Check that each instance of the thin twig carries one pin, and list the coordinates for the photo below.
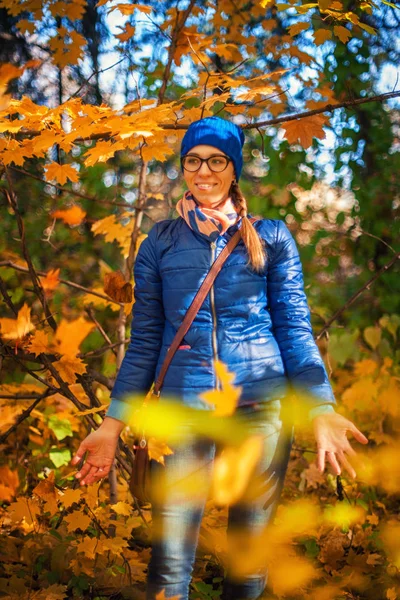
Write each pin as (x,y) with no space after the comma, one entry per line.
(24,415)
(12,199)
(9,263)
(354,297)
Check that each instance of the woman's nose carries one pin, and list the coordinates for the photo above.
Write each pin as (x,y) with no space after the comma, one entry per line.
(204,169)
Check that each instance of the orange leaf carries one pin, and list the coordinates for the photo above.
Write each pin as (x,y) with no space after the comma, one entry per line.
(70,335)
(226,399)
(61,173)
(298,27)
(39,343)
(117,288)
(77,520)
(51,281)
(233,468)
(158,449)
(102,152)
(304,130)
(9,483)
(322,35)
(342,33)
(128,9)
(15,329)
(71,216)
(70,496)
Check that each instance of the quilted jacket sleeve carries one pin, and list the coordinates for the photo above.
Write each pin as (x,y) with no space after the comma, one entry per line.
(292,327)
(137,370)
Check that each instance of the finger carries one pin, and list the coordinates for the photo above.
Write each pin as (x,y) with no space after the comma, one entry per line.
(79,454)
(84,471)
(360,437)
(346,464)
(89,477)
(349,449)
(332,459)
(321,460)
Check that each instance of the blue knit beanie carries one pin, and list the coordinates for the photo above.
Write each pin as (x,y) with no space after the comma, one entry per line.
(214,131)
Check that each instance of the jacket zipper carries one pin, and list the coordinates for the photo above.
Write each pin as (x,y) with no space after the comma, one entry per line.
(214,317)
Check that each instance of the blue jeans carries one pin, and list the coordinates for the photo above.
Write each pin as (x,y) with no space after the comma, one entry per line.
(177,512)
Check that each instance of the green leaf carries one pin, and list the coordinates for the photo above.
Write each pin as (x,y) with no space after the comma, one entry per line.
(391,323)
(372,336)
(342,346)
(312,548)
(60,457)
(60,427)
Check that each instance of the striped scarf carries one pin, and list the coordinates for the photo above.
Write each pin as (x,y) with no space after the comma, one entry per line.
(209,222)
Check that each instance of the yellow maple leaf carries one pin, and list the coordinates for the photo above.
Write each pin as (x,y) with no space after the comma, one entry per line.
(47,492)
(77,520)
(233,469)
(88,546)
(156,151)
(158,449)
(38,343)
(342,33)
(102,152)
(61,173)
(70,335)
(304,130)
(70,496)
(122,508)
(226,399)
(70,216)
(114,231)
(68,367)
(24,509)
(15,329)
(391,594)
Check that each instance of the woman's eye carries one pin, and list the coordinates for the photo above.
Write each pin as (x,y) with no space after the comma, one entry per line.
(192,161)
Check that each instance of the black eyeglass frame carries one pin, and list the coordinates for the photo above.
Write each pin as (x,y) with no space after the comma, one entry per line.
(202,160)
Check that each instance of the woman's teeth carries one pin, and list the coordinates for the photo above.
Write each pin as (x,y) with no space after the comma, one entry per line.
(204,186)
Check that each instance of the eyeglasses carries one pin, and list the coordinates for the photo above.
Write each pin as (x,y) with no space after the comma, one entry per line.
(217,163)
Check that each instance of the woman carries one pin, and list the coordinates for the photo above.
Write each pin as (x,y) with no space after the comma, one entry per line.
(255,320)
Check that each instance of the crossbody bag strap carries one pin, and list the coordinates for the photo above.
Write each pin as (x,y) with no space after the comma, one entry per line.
(195,306)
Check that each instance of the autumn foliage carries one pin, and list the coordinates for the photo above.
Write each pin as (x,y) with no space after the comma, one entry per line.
(68,247)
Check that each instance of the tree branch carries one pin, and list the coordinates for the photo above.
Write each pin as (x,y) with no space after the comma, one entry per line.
(247,126)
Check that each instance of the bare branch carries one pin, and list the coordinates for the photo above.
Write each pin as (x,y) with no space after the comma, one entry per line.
(354,297)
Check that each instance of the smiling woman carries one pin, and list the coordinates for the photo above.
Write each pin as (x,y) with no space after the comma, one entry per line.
(256,321)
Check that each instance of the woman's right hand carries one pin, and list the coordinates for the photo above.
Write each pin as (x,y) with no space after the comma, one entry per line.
(101,446)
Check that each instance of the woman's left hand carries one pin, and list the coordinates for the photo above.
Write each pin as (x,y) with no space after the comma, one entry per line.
(330,433)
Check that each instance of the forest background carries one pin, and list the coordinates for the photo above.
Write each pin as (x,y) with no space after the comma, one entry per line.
(95,99)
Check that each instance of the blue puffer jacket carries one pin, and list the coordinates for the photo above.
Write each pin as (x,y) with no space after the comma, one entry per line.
(258,324)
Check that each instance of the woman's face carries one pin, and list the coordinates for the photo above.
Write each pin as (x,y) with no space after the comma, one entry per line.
(209,188)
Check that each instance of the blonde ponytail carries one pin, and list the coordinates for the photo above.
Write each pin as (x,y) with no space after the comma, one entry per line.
(254,244)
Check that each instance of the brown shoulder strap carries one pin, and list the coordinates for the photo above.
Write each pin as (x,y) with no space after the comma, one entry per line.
(195,306)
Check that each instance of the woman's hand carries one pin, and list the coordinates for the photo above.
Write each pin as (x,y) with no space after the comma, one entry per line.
(101,446)
(330,433)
